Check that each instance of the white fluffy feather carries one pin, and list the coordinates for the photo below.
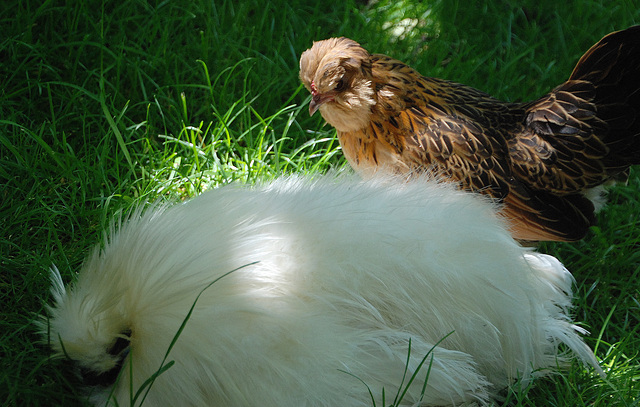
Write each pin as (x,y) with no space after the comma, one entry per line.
(348,273)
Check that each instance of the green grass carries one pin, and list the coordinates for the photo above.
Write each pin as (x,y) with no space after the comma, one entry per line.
(104,106)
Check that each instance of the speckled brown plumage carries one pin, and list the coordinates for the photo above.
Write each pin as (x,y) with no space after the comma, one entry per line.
(538,159)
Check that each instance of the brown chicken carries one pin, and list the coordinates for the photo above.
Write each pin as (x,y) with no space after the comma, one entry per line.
(541,160)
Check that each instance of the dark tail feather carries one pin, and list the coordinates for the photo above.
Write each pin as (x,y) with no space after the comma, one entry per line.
(613,67)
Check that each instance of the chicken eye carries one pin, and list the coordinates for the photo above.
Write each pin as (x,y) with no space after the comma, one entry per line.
(120,344)
(340,85)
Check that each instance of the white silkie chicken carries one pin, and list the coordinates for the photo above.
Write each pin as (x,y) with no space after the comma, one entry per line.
(343,282)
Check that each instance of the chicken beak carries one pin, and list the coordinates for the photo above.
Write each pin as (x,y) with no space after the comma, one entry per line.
(315,103)
(319,99)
